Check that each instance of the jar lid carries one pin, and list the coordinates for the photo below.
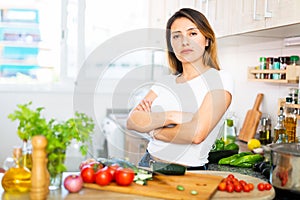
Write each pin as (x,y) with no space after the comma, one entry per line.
(294,58)
(262,59)
(288,99)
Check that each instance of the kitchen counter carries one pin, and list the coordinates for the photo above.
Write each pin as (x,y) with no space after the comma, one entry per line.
(247,171)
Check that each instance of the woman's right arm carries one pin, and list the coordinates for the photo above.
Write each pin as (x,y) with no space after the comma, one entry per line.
(141,118)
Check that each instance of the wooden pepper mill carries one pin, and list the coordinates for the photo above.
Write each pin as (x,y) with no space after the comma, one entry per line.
(39,173)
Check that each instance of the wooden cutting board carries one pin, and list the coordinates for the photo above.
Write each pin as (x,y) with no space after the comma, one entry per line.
(165,187)
(251,121)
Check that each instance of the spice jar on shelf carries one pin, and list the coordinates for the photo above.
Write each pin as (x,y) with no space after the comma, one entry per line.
(294,60)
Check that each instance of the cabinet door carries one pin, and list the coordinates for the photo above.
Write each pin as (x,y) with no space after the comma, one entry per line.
(222,18)
(284,12)
(250,15)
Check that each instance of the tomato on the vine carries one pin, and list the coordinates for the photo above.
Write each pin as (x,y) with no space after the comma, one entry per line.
(124,176)
(112,169)
(88,174)
(103,177)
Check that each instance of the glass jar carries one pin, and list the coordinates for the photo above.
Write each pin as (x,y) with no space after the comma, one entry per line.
(294,60)
(276,66)
(262,66)
(269,65)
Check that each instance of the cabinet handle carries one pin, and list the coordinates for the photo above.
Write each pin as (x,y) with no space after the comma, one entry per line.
(254,10)
(268,14)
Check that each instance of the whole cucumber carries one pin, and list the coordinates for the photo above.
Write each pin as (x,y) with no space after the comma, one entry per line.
(248,159)
(230,159)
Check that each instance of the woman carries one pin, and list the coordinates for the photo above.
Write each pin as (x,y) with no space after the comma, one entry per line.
(181,112)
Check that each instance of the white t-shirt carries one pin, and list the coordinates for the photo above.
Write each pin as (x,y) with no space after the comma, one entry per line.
(187,97)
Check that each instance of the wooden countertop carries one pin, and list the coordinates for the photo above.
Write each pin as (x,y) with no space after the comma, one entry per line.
(87,193)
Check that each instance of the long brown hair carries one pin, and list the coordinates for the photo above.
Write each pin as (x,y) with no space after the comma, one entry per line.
(210,55)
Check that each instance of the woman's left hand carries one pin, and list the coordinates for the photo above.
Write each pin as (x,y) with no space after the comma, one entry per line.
(145,105)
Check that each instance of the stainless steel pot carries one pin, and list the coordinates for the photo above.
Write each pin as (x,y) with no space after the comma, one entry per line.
(285,171)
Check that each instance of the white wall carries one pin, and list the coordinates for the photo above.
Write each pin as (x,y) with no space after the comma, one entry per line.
(238,58)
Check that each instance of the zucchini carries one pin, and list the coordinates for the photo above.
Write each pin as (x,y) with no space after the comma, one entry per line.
(168,168)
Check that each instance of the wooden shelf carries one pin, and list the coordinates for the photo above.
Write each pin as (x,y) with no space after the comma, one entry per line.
(281,103)
(291,73)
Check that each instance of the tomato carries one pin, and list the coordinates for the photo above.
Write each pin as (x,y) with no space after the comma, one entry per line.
(261,186)
(112,169)
(230,176)
(251,186)
(103,177)
(268,186)
(222,186)
(238,188)
(246,188)
(88,174)
(124,176)
(230,188)
(242,182)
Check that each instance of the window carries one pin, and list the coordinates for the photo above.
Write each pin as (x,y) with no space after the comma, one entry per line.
(29,41)
(48,41)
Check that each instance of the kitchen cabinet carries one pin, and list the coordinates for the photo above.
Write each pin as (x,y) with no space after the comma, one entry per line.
(254,15)
(135,147)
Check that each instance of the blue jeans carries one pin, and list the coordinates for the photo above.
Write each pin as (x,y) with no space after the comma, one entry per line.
(146,159)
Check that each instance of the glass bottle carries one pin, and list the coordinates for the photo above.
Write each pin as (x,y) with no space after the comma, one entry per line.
(229,134)
(27,154)
(290,121)
(282,138)
(279,127)
(17,178)
(268,130)
(261,131)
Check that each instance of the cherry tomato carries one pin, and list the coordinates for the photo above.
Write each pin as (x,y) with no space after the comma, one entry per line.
(230,188)
(88,174)
(268,186)
(230,176)
(261,186)
(124,176)
(251,186)
(103,177)
(222,186)
(242,182)
(246,188)
(238,188)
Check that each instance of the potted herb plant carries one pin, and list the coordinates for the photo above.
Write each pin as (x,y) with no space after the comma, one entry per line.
(58,133)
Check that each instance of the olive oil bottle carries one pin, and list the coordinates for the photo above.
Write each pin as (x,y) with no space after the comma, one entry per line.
(290,124)
(17,178)
(279,129)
